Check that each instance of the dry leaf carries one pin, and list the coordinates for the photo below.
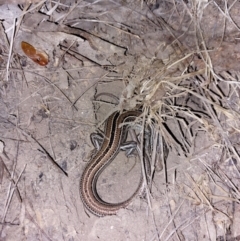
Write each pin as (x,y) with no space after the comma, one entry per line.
(38,56)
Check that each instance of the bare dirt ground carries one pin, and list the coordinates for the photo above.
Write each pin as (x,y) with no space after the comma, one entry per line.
(178,60)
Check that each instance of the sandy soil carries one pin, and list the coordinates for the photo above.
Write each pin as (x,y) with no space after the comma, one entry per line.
(47,114)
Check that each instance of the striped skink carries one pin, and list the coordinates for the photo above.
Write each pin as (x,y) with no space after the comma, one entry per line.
(113,138)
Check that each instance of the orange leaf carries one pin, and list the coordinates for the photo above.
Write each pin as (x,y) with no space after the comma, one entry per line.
(39,57)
